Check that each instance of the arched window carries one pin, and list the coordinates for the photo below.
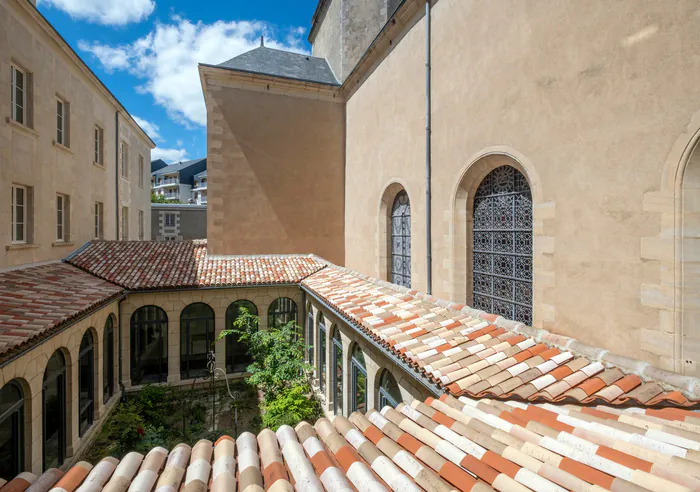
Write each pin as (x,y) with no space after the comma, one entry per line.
(238,357)
(86,383)
(149,345)
(401,240)
(389,392)
(281,311)
(359,380)
(502,270)
(321,353)
(54,411)
(11,430)
(196,339)
(310,335)
(337,372)
(108,361)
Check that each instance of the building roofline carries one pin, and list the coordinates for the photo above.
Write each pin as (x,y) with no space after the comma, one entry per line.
(281,77)
(34,12)
(321,8)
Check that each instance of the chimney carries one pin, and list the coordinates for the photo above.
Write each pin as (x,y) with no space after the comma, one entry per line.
(262,41)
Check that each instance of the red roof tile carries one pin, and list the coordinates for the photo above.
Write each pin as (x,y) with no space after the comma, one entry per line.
(36,301)
(140,265)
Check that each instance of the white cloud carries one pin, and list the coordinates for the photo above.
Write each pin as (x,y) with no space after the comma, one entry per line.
(167,58)
(151,129)
(110,12)
(169,155)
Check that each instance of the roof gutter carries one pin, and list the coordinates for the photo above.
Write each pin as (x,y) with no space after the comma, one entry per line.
(433,388)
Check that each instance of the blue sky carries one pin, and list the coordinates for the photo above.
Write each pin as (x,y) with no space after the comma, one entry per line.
(146,52)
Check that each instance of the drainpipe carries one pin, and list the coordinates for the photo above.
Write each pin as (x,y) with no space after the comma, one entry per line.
(428,171)
(116,170)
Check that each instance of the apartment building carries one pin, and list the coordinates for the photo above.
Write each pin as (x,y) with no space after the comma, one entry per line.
(176,181)
(72,159)
(199,190)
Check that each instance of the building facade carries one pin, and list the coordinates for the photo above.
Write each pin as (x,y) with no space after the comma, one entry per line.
(58,122)
(175,182)
(177,222)
(562,191)
(199,189)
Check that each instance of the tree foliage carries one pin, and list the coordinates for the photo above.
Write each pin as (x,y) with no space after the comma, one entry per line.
(278,355)
(158,198)
(291,407)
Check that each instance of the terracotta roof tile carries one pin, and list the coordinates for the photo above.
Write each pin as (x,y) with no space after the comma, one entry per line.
(37,301)
(465,353)
(139,265)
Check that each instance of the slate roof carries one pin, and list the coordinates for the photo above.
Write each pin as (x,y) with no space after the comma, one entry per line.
(143,265)
(37,301)
(469,352)
(277,63)
(438,446)
(177,167)
(203,174)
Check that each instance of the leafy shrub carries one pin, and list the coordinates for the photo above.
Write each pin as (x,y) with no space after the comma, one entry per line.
(291,407)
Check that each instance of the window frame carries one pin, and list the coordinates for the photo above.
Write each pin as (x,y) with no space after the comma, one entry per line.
(98,211)
(61,121)
(322,348)
(141,171)
(288,310)
(14,69)
(233,346)
(125,223)
(99,145)
(186,354)
(159,323)
(108,360)
(124,158)
(59,377)
(358,367)
(24,206)
(400,240)
(141,225)
(15,414)
(337,364)
(61,218)
(166,221)
(86,404)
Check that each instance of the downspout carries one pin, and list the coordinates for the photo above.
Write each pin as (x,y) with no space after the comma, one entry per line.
(428,170)
(116,176)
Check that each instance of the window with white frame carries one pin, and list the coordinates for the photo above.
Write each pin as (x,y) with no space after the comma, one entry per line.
(124,155)
(140,225)
(19,214)
(99,142)
(141,171)
(18,94)
(125,223)
(62,121)
(169,220)
(98,209)
(61,209)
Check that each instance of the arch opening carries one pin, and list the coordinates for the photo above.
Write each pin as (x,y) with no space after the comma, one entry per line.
(238,356)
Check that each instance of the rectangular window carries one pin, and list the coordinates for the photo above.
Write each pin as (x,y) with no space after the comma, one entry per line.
(98,220)
(60,218)
(169,220)
(18,92)
(140,225)
(125,223)
(60,122)
(99,141)
(124,154)
(141,171)
(19,214)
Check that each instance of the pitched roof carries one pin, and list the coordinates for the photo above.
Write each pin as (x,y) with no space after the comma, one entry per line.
(437,446)
(203,174)
(142,265)
(37,301)
(469,352)
(277,63)
(177,167)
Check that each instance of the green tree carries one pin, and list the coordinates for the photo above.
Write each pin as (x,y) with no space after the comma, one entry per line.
(158,198)
(291,407)
(278,355)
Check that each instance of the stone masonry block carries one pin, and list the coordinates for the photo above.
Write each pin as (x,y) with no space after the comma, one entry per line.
(633,365)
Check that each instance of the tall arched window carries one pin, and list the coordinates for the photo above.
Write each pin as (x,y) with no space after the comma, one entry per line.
(149,345)
(359,380)
(11,430)
(337,372)
(54,411)
(108,361)
(281,311)
(401,240)
(86,383)
(196,339)
(321,353)
(310,335)
(389,392)
(502,270)
(238,357)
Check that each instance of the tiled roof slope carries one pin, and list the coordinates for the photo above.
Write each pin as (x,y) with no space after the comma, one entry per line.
(36,301)
(469,352)
(139,265)
(437,446)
